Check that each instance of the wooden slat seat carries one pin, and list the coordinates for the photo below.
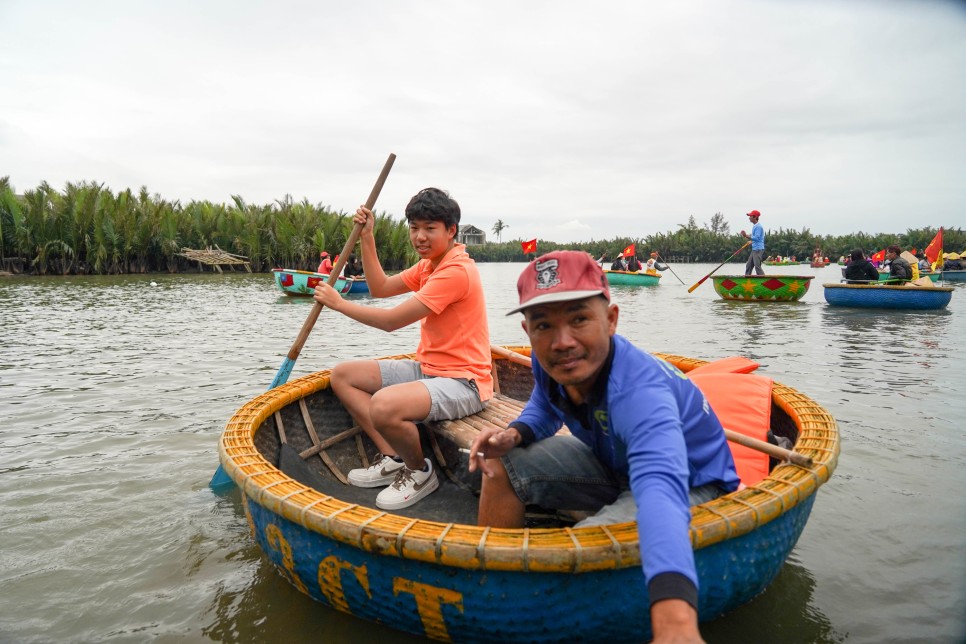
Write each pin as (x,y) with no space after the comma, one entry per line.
(497,413)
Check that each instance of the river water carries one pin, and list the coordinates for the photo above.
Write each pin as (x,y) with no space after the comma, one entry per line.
(113,392)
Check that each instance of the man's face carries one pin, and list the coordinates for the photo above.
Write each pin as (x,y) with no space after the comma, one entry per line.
(572,339)
(890,255)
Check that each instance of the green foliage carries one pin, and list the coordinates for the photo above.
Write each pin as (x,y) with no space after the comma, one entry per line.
(86,228)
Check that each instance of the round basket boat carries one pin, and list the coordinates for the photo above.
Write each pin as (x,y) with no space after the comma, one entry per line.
(627,278)
(762,288)
(885,296)
(302,283)
(430,570)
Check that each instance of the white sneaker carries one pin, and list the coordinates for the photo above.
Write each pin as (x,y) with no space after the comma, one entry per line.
(409,487)
(382,472)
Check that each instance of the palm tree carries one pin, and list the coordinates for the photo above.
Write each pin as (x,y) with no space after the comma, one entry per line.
(498,229)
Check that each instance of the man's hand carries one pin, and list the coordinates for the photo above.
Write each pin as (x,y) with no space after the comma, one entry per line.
(492,443)
(673,621)
(744,234)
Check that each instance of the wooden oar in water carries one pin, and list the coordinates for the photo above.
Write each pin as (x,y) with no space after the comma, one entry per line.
(668,266)
(735,437)
(701,281)
(221,480)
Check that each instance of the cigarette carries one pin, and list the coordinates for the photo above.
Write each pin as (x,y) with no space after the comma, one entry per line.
(466,451)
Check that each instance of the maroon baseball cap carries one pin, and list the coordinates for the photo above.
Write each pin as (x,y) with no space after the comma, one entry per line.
(560,276)
(754,213)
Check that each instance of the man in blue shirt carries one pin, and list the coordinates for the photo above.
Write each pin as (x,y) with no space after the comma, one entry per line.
(757,238)
(645,444)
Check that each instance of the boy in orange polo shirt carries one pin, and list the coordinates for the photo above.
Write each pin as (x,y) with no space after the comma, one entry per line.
(450,377)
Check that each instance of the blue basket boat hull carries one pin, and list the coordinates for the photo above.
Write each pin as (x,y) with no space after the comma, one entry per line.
(449,603)
(887,297)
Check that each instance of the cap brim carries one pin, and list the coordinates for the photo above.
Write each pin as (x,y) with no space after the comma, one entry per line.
(551,298)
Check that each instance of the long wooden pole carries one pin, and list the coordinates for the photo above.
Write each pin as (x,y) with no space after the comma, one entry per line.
(670,269)
(733,436)
(701,281)
(221,480)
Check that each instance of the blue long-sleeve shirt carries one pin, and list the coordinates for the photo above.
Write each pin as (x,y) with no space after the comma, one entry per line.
(646,420)
(757,237)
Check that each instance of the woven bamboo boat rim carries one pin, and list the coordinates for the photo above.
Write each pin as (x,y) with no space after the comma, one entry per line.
(524,549)
(892,287)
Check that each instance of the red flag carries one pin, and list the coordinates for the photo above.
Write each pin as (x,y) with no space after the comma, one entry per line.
(529,246)
(878,257)
(934,251)
(629,251)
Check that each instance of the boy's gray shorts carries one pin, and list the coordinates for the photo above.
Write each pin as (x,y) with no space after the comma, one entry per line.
(451,397)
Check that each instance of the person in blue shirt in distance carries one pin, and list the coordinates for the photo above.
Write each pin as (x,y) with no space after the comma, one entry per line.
(757,238)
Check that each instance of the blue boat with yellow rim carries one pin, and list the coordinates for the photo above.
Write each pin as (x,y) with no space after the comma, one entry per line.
(888,296)
(430,570)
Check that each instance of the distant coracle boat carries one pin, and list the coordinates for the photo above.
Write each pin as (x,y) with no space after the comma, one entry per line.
(784,262)
(430,570)
(293,282)
(762,288)
(953,276)
(886,296)
(628,278)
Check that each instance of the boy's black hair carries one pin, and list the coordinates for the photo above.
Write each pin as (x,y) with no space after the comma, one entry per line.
(433,204)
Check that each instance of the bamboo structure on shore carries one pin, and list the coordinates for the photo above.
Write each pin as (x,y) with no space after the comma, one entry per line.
(215,258)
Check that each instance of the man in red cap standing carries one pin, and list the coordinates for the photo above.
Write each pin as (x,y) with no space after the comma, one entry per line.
(757,238)
(644,444)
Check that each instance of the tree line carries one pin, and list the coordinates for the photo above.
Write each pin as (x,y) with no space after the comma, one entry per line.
(87,228)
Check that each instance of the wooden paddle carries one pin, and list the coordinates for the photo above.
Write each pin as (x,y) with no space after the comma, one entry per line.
(701,281)
(221,480)
(670,269)
(735,437)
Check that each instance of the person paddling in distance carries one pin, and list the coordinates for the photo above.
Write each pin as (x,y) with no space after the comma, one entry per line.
(450,377)
(325,264)
(645,444)
(757,238)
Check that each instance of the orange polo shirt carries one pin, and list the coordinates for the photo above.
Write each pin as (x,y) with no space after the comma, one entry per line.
(454,339)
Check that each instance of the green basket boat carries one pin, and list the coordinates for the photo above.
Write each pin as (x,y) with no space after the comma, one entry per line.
(762,288)
(627,278)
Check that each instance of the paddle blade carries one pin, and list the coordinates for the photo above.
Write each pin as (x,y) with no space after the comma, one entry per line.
(281,377)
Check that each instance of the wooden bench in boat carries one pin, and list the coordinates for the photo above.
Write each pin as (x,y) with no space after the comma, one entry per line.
(498,412)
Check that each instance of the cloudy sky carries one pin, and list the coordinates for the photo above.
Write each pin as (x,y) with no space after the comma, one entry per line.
(567,120)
